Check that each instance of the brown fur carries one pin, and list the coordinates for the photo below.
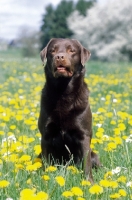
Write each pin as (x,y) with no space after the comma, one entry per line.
(65,120)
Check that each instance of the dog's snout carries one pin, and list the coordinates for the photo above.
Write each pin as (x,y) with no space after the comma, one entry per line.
(60,57)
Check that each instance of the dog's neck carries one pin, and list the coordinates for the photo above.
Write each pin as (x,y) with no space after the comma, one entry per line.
(64,85)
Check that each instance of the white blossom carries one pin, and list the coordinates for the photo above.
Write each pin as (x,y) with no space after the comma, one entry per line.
(105,30)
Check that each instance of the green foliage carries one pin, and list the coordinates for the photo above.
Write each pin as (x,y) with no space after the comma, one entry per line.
(83,5)
(54,23)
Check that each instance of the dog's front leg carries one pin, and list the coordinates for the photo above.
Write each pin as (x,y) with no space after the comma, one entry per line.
(87,164)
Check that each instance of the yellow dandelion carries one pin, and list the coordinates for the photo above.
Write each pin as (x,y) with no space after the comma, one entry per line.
(96,189)
(67,194)
(115,196)
(29,181)
(51,169)
(46,177)
(13,127)
(60,180)
(42,196)
(85,183)
(80,198)
(31,168)
(108,175)
(25,158)
(122,193)
(4,183)
(113,184)
(104,183)
(1,132)
(27,194)
(73,169)
(122,179)
(37,149)
(77,191)
(121,126)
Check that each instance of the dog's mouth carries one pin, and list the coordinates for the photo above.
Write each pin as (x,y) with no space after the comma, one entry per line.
(63,70)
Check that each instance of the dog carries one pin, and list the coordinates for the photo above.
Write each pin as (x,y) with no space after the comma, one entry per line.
(65,120)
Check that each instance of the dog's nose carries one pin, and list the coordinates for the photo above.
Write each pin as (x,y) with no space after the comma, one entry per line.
(60,57)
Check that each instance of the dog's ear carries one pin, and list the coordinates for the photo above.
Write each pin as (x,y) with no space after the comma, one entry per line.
(85,54)
(43,53)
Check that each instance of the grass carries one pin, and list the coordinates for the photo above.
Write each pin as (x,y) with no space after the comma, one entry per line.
(22,176)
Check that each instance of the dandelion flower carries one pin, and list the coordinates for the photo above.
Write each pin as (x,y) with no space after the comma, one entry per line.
(46,177)
(67,194)
(77,191)
(122,192)
(104,183)
(85,183)
(4,184)
(42,195)
(115,196)
(73,169)
(60,180)
(96,189)
(51,169)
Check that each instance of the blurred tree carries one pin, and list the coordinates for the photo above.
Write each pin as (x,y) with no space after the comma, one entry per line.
(83,5)
(54,22)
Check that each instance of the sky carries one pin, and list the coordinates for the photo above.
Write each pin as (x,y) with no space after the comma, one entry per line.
(15,14)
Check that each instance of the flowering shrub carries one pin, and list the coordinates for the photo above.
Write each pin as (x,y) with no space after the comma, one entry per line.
(106,30)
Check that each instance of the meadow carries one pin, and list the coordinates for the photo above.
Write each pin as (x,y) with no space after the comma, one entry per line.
(22,176)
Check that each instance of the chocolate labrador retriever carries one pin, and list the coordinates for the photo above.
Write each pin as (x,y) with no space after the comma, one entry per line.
(65,120)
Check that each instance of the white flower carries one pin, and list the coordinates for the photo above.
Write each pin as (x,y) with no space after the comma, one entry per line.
(99,125)
(102,98)
(129,184)
(114,100)
(116,170)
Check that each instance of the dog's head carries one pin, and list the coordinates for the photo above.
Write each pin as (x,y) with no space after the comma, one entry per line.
(65,57)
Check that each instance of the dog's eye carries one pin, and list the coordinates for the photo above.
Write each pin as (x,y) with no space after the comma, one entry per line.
(52,51)
(72,50)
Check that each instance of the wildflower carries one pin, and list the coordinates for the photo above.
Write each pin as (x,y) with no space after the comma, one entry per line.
(29,181)
(115,196)
(116,170)
(46,177)
(122,192)
(42,196)
(129,184)
(31,168)
(1,132)
(60,180)
(104,183)
(77,191)
(73,169)
(96,189)
(121,126)
(26,194)
(13,127)
(37,149)
(51,169)
(121,179)
(85,183)
(110,146)
(67,194)
(4,183)
(25,158)
(108,175)
(113,184)
(80,198)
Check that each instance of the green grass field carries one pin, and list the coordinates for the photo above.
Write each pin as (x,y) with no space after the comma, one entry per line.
(22,176)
